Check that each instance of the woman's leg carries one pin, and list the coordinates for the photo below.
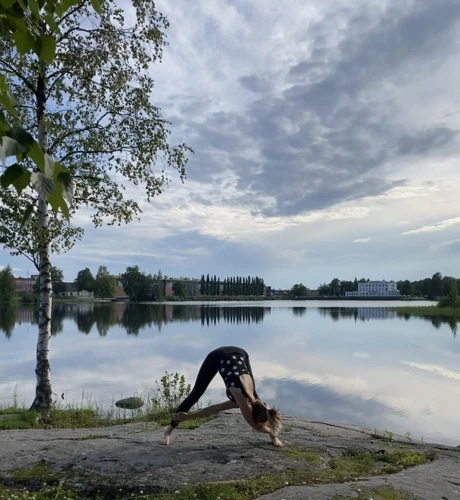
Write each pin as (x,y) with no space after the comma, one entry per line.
(208,411)
(207,372)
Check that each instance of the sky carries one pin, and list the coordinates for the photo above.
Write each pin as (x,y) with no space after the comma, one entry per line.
(326,145)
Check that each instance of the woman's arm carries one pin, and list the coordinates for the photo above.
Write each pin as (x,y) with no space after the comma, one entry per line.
(243,403)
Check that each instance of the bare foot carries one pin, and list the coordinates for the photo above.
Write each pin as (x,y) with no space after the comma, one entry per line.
(167,435)
(278,443)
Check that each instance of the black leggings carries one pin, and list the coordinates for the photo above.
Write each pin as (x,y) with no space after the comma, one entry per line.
(207,372)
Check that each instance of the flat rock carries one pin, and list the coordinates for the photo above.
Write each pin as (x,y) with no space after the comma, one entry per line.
(224,449)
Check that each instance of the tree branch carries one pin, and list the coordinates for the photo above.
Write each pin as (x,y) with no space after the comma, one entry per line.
(50,88)
(19,75)
(70,13)
(94,152)
(77,131)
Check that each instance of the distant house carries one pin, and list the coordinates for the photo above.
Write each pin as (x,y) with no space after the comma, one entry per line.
(24,285)
(120,291)
(192,287)
(70,290)
(375,289)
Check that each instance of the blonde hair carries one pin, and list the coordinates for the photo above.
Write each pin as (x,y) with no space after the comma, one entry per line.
(262,414)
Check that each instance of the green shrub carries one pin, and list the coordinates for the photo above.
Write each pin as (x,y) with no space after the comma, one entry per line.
(30,298)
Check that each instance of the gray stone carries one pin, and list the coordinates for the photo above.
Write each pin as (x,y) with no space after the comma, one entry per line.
(131,457)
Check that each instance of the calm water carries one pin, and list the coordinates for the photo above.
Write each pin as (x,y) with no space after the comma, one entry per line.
(347,362)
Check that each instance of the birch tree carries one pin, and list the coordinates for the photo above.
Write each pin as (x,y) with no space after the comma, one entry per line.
(80,78)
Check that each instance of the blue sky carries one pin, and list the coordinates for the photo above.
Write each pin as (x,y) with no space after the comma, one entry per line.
(326,145)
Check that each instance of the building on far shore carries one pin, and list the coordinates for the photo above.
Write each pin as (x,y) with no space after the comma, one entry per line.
(375,289)
(24,285)
(192,287)
(71,291)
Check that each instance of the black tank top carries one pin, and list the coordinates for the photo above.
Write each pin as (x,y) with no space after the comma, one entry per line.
(231,366)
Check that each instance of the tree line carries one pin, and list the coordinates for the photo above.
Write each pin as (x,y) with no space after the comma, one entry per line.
(233,286)
(431,288)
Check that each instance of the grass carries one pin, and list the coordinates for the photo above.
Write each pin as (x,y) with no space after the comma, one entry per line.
(449,312)
(159,407)
(383,435)
(40,471)
(307,455)
(336,470)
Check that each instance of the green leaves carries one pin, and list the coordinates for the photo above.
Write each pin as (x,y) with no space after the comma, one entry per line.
(47,48)
(96,6)
(57,201)
(5,97)
(36,154)
(24,41)
(49,166)
(16,175)
(42,184)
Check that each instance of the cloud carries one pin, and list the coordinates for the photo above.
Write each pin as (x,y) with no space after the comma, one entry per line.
(362,240)
(445,245)
(361,355)
(328,122)
(439,226)
(435,369)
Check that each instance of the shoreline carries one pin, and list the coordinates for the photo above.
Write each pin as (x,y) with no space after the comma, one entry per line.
(225,458)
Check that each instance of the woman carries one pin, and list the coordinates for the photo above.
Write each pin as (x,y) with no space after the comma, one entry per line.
(233,365)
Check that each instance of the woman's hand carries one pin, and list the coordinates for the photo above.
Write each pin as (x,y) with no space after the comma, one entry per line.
(180,417)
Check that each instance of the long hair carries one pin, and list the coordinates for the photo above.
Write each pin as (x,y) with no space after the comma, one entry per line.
(262,414)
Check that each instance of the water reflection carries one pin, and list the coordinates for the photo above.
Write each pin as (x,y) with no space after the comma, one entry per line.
(135,317)
(385,313)
(8,315)
(132,317)
(363,369)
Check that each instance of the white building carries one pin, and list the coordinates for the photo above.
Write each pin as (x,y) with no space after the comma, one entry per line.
(375,289)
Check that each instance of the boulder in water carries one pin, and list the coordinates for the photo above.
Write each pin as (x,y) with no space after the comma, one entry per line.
(133,403)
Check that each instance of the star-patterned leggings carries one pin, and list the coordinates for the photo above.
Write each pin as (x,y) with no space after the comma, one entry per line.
(230,362)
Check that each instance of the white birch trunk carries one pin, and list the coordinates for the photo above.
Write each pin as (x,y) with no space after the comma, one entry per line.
(43,392)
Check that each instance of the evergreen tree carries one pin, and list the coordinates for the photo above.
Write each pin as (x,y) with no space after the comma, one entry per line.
(218,287)
(208,288)
(203,285)
(7,285)
(214,285)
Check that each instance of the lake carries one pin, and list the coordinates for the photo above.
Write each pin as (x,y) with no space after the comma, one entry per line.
(345,362)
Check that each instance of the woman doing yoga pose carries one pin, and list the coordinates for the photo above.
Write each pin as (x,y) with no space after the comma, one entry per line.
(234,367)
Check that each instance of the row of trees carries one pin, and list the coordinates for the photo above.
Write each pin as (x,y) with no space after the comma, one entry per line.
(103,285)
(432,288)
(233,286)
(298,290)
(337,288)
(139,285)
